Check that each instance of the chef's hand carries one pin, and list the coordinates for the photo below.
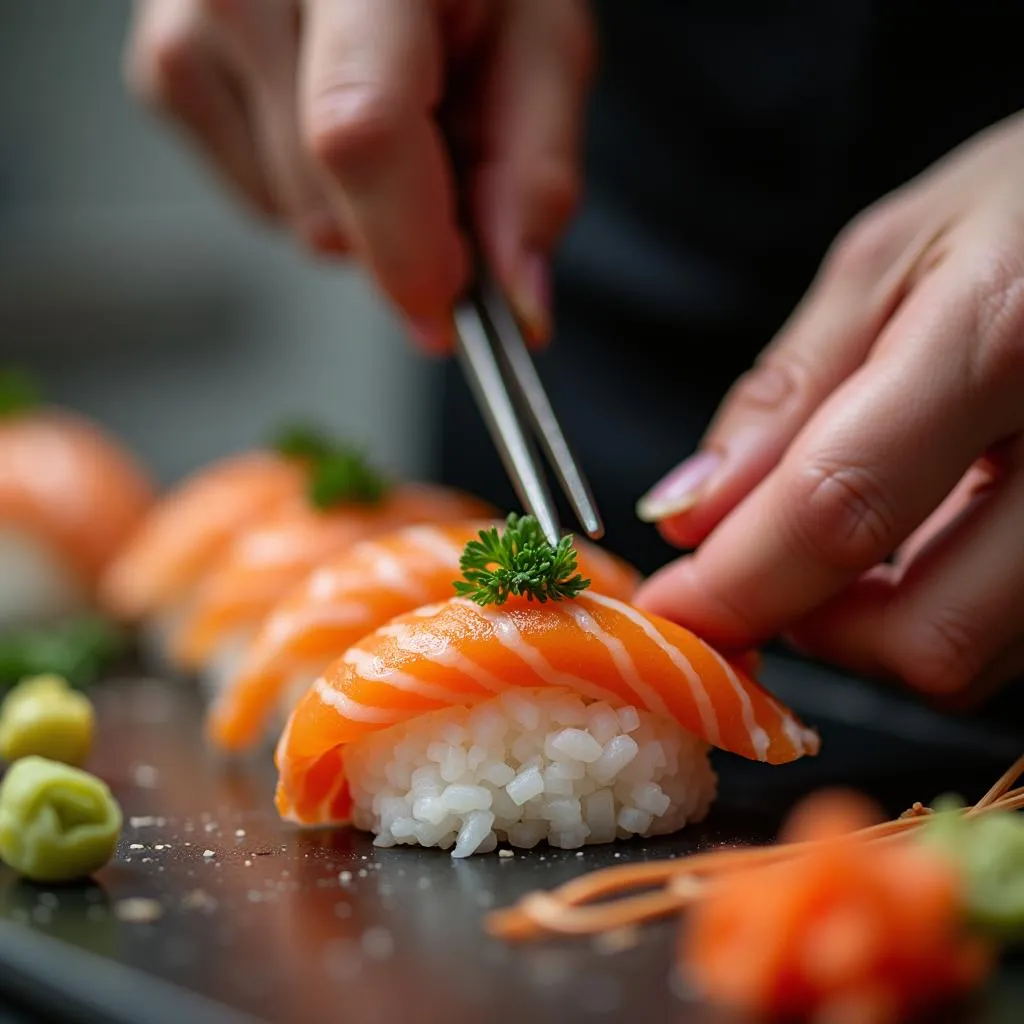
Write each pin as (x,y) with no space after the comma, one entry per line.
(326,115)
(886,418)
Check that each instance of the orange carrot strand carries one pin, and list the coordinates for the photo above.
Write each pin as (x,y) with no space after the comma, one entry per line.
(541,912)
(1003,783)
(683,880)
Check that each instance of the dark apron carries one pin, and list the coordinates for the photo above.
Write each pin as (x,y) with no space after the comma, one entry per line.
(727,145)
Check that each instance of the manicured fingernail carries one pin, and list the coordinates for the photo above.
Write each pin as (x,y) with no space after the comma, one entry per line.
(532,296)
(680,490)
(434,337)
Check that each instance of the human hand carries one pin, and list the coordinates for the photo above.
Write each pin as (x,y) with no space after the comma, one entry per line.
(335,118)
(885,418)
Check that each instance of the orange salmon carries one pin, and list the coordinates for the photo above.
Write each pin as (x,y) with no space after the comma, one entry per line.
(70,485)
(458,654)
(277,553)
(191,527)
(344,599)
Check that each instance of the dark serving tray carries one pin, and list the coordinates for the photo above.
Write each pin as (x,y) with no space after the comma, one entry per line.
(257,924)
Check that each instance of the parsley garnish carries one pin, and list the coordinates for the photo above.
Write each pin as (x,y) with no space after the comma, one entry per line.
(519,561)
(300,441)
(345,476)
(337,474)
(18,392)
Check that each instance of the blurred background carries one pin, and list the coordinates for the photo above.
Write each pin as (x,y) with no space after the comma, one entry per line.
(140,296)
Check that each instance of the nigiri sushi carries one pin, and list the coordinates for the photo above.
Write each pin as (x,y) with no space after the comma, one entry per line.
(153,580)
(343,600)
(276,553)
(69,497)
(526,708)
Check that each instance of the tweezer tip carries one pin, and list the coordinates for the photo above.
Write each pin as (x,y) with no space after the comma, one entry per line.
(590,521)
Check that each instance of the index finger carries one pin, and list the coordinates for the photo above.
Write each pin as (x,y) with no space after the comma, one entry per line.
(874,461)
(372,77)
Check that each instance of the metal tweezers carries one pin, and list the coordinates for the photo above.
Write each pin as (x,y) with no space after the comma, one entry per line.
(504,381)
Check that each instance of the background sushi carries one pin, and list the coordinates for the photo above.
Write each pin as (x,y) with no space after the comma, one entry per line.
(263,563)
(153,580)
(494,717)
(347,597)
(69,497)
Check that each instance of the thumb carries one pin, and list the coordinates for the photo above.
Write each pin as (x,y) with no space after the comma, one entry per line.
(528,180)
(825,340)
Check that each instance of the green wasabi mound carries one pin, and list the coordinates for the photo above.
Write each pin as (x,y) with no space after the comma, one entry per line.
(989,850)
(44,716)
(57,823)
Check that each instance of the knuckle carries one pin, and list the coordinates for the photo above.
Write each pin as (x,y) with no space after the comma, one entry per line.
(161,71)
(939,654)
(866,243)
(840,514)
(230,14)
(349,125)
(771,382)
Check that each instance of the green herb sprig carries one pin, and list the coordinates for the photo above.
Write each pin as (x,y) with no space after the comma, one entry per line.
(519,561)
(80,649)
(337,473)
(18,392)
(988,849)
(300,441)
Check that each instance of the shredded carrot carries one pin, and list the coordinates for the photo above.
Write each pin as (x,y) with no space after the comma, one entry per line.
(1002,784)
(800,938)
(678,883)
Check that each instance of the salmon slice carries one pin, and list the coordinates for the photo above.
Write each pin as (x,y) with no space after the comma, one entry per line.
(182,536)
(458,653)
(349,596)
(69,484)
(263,563)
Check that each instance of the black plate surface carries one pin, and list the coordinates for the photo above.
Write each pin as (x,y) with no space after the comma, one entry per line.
(257,921)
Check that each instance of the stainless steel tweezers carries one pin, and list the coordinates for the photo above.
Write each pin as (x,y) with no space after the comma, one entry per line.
(512,400)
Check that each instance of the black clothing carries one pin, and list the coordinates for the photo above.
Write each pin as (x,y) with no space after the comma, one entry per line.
(727,145)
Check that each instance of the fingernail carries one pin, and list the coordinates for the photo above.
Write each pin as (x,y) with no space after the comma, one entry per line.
(434,337)
(532,296)
(680,490)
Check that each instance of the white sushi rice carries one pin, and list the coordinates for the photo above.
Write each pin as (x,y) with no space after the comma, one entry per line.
(224,663)
(157,633)
(526,767)
(36,583)
(160,633)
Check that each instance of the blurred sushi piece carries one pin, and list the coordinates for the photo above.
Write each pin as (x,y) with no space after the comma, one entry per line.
(278,552)
(153,581)
(70,495)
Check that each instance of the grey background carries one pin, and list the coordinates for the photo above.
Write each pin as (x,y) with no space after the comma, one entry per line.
(142,295)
